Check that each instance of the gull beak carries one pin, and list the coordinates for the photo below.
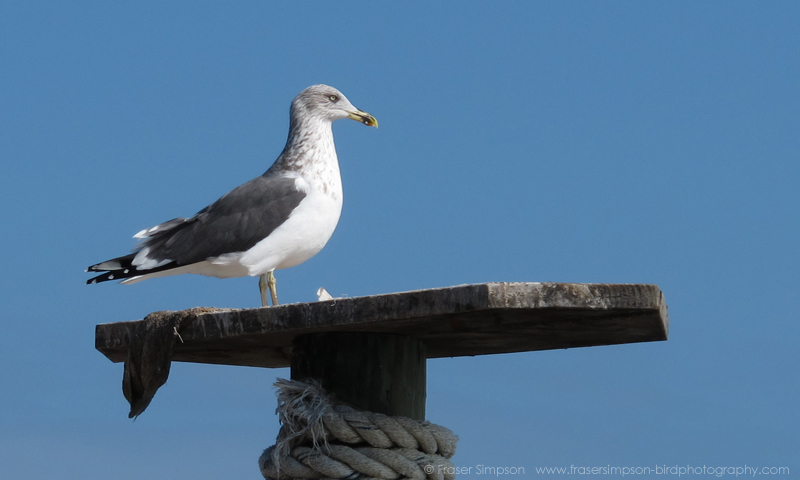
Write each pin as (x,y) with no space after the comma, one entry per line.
(363,117)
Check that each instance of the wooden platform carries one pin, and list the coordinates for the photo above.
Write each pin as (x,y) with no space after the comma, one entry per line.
(456,321)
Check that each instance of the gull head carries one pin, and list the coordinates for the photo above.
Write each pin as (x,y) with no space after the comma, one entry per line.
(326,103)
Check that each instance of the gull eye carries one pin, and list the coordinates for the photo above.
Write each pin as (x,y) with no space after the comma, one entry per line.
(333,98)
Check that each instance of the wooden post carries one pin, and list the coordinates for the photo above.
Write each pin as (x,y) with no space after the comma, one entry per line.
(381,373)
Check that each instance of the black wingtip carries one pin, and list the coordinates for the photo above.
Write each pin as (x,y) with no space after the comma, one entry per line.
(118,268)
(120,274)
(103,278)
(124,273)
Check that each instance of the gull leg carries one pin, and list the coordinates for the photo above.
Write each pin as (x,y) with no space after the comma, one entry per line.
(262,286)
(272,285)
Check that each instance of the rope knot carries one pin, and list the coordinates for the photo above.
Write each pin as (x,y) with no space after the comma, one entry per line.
(320,438)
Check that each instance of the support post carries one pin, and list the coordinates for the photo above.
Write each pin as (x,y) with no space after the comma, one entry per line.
(382,373)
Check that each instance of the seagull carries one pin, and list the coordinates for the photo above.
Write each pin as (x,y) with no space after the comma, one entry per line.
(275,221)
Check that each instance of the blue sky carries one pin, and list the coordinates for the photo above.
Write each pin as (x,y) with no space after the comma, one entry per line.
(619,142)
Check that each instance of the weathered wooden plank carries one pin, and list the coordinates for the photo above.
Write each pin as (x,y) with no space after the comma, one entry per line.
(465,320)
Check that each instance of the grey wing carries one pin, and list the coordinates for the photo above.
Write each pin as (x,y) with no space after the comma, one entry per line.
(234,223)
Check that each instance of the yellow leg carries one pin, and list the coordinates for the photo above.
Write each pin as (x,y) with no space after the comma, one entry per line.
(262,286)
(272,285)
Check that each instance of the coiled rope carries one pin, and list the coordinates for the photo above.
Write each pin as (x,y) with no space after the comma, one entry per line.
(323,439)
